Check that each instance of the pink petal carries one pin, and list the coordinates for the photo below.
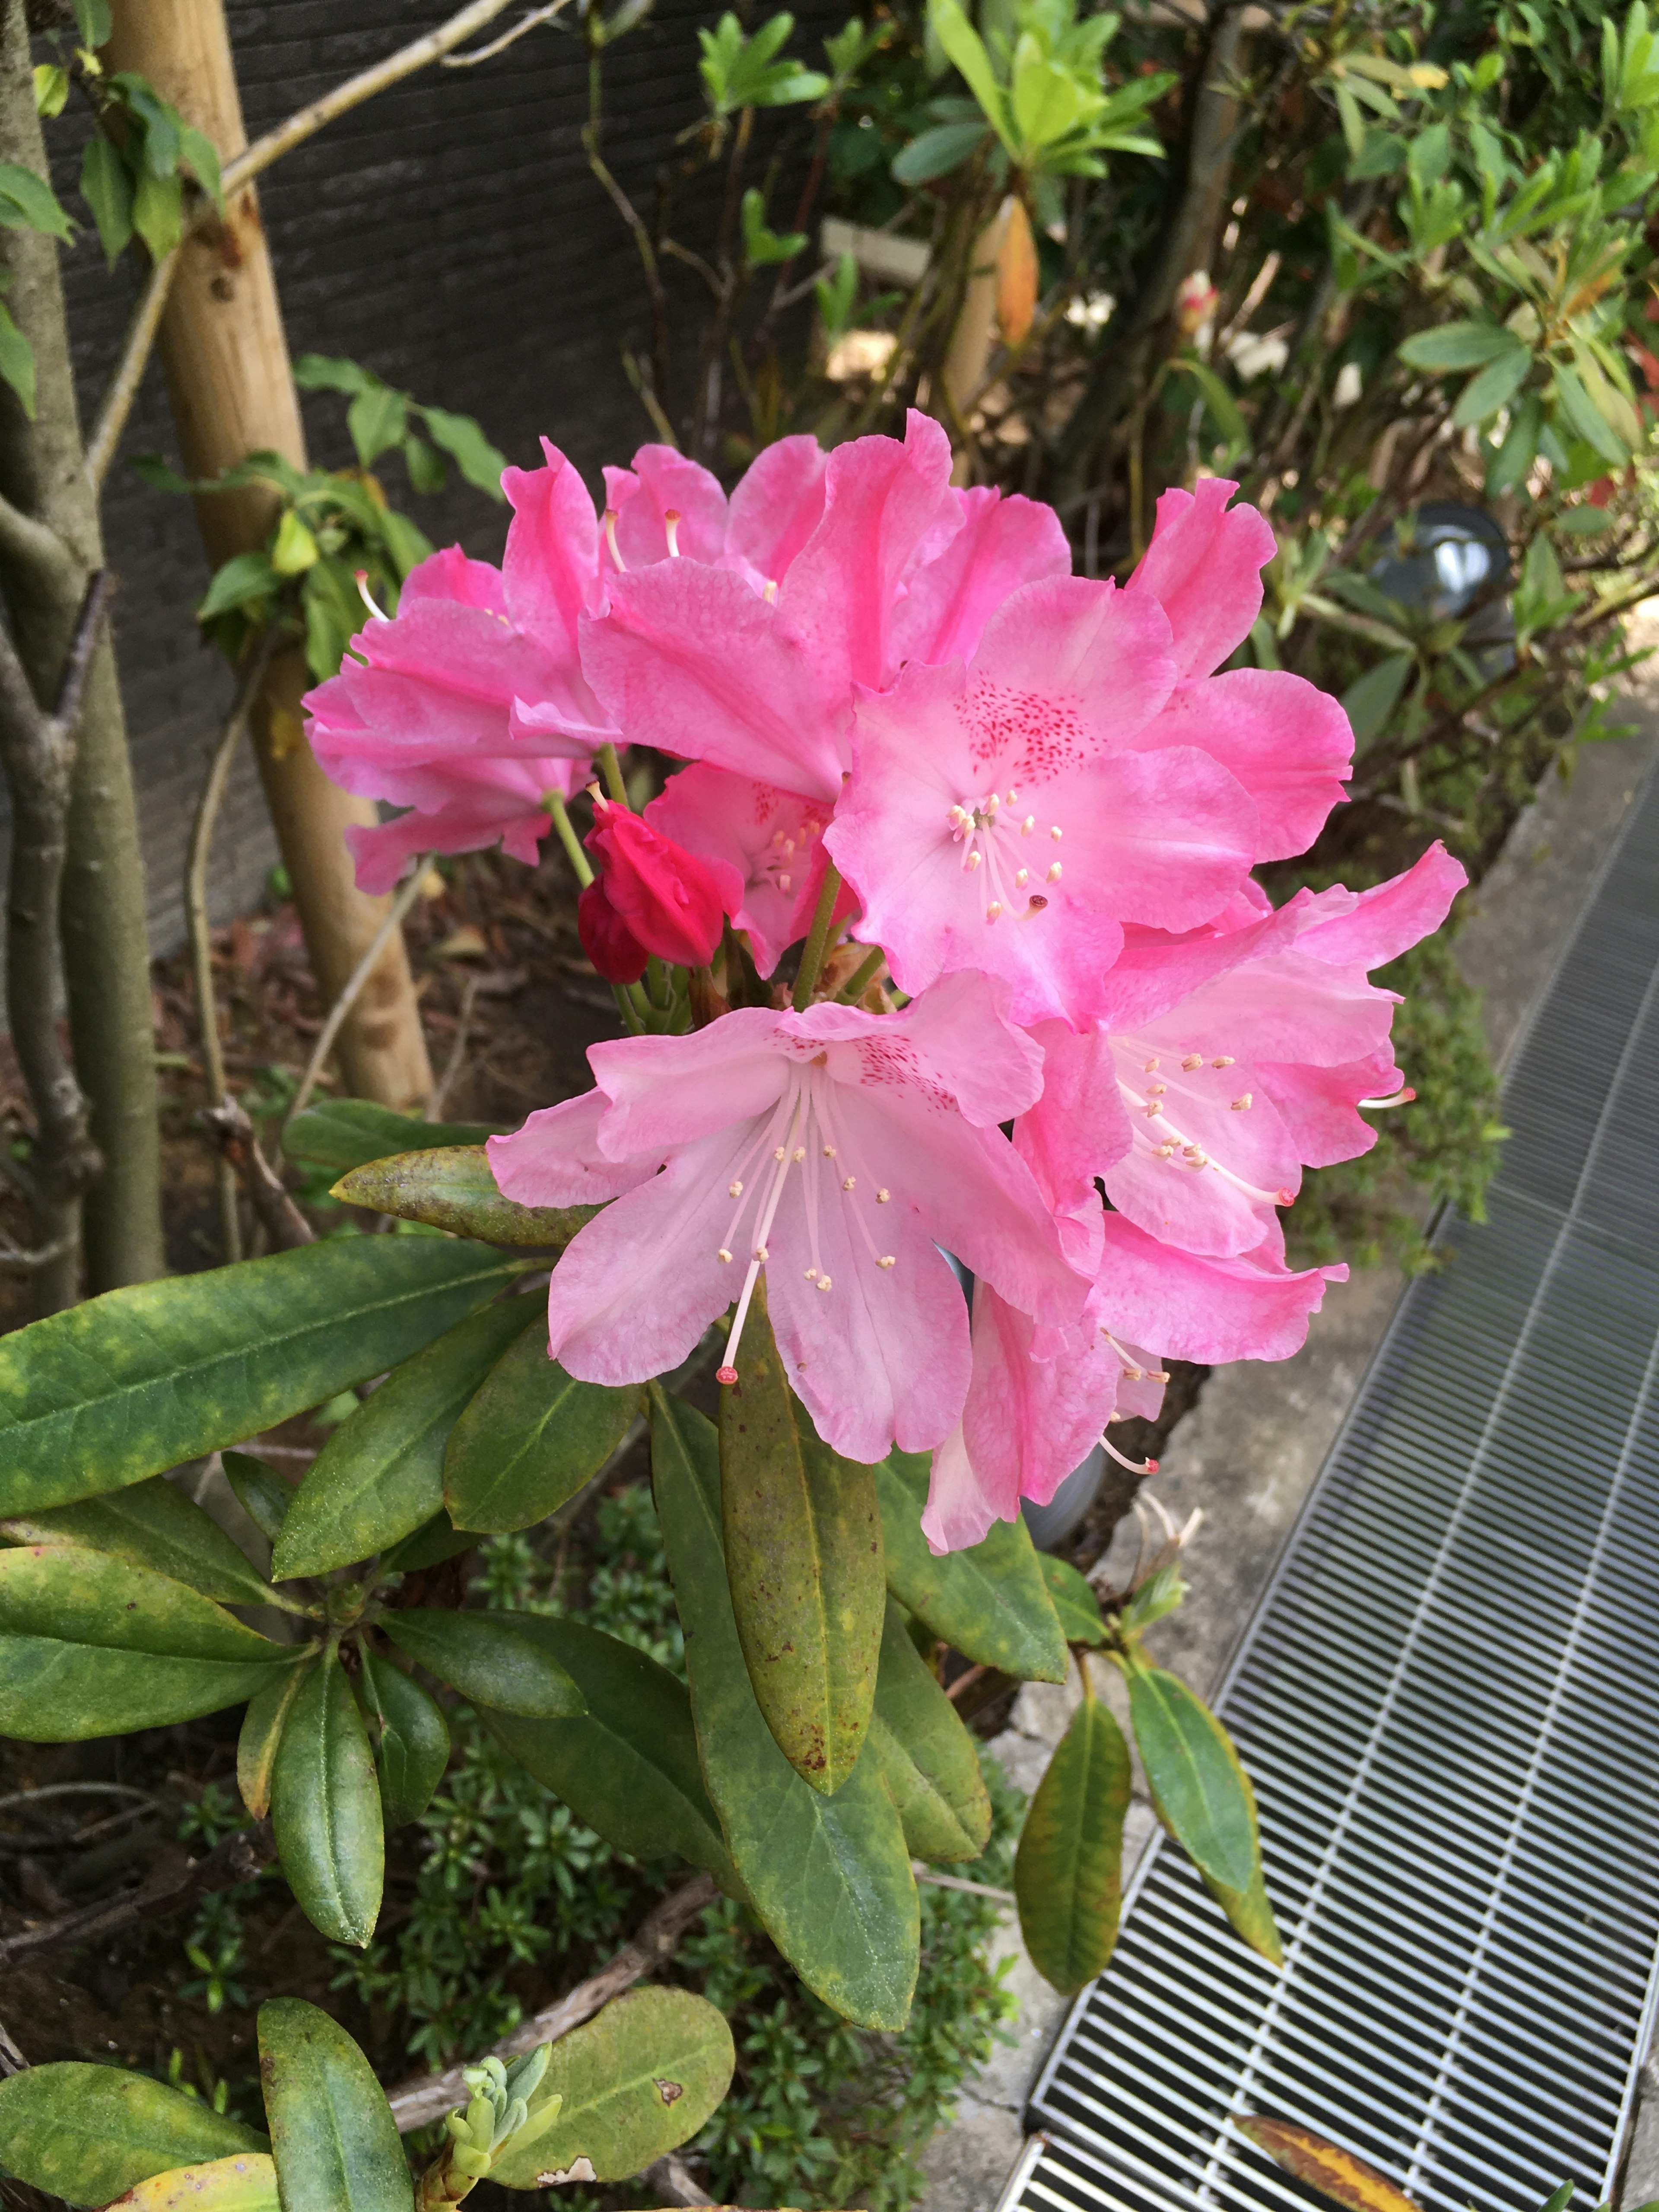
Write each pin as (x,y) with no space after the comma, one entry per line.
(1002,544)
(1282,1006)
(1204,567)
(1386,922)
(961,1507)
(449,574)
(1156,970)
(1028,1422)
(669,1091)
(551,565)
(662,480)
(958,1039)
(1244,1307)
(776,506)
(1317,1104)
(1067,667)
(1202,1209)
(1079,1126)
(887,505)
(690,660)
(1288,743)
(554,1159)
(773,838)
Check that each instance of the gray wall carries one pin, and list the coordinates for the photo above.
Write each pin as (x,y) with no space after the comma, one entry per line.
(448,235)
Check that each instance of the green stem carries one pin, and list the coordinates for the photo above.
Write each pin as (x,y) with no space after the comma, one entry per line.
(567,837)
(657,983)
(613,775)
(623,994)
(862,975)
(811,959)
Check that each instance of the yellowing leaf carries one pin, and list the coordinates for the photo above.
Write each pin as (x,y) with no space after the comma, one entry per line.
(1336,2172)
(245,2183)
(1017,276)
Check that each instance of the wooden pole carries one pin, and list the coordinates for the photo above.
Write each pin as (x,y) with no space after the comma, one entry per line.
(225,353)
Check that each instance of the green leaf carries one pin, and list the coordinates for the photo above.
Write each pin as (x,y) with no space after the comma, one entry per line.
(91,1645)
(426,472)
(1511,465)
(478,461)
(377,419)
(201,156)
(1494,387)
(1073,1599)
(326,1809)
(17,361)
(93,22)
(153,1525)
(935,153)
(244,2183)
(1371,698)
(988,1603)
(1584,419)
(529,1439)
(335,2140)
(1222,406)
(381,1474)
(348,1133)
(1194,1775)
(52,89)
(1068,1871)
(429,1546)
(262,1733)
(119,1388)
(452,1186)
(245,576)
(1249,1909)
(85,2133)
(158,212)
(490,1659)
(627,1766)
(803,1557)
(409,1737)
(29,202)
(962,44)
(829,1876)
(262,1494)
(1457,345)
(927,1758)
(294,548)
(317,372)
(643,2077)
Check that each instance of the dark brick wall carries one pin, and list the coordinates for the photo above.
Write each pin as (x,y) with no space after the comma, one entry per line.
(447,235)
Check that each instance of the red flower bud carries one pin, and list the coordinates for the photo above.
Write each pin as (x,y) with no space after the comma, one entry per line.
(607,940)
(671,902)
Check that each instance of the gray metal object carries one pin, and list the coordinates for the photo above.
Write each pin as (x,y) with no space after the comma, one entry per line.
(1449,1702)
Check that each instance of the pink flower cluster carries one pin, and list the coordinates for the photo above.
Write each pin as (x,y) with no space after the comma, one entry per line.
(1104,1059)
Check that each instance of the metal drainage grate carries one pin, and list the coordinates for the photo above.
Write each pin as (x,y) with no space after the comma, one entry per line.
(1449,1701)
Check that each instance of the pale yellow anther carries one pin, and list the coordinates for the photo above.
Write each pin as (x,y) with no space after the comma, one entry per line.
(1157,1106)
(724,1256)
(779,1154)
(993,909)
(890,1261)
(1022,877)
(812,1274)
(1193,1060)
(1028,825)
(800,1154)
(1054,872)
(785,882)
(823,1282)
(829,1151)
(1242,1102)
(762,1253)
(973,862)
(882,1197)
(850,1181)
(1150,1065)
(734,1190)
(1055,833)
(1156,1090)
(1225,1060)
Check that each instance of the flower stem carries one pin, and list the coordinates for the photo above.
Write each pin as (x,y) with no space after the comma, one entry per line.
(567,837)
(613,775)
(811,959)
(862,975)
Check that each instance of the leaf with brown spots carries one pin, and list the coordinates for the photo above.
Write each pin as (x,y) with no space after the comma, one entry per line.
(1336,2172)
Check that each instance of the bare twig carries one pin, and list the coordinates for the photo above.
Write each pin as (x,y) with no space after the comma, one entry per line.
(435,1111)
(430,2096)
(38,752)
(228,1126)
(959,1881)
(196,917)
(123,388)
(966,1680)
(12,2060)
(237,1859)
(529,22)
(22,1797)
(355,983)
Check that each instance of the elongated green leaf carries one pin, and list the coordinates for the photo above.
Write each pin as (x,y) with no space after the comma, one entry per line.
(91,1645)
(489,1659)
(381,1474)
(829,1876)
(409,1737)
(627,1766)
(153,1525)
(107,189)
(638,2080)
(344,1132)
(803,1558)
(85,2133)
(478,461)
(1584,419)
(963,43)
(326,1808)
(451,1187)
(1457,345)
(262,1494)
(1193,1774)
(28,202)
(988,1603)
(1494,387)
(261,1734)
(331,2129)
(376,418)
(530,1439)
(117,1390)
(244,2183)
(1073,1599)
(1371,698)
(927,1758)
(1249,1909)
(1068,1871)
(434,1541)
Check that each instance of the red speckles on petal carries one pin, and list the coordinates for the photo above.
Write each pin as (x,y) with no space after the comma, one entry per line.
(890,1060)
(1030,734)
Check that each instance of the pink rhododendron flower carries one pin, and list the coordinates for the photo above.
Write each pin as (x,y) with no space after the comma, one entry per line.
(774,840)
(471,703)
(610,943)
(1242,1055)
(670,901)
(693,656)
(1288,743)
(834,1149)
(999,819)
